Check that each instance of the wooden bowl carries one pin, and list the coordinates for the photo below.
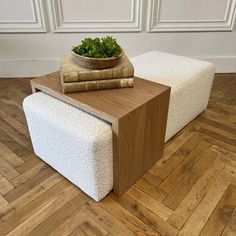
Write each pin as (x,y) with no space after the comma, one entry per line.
(97,63)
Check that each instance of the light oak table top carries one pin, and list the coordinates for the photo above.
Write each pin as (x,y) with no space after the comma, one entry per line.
(107,104)
(138,118)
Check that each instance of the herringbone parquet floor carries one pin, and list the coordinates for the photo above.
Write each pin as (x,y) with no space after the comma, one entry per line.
(191,191)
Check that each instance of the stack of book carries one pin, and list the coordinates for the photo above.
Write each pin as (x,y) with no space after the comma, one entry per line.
(75,78)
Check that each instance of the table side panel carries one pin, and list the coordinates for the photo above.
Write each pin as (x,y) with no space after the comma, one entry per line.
(138,141)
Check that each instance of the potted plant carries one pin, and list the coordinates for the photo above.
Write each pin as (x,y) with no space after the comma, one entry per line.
(98,53)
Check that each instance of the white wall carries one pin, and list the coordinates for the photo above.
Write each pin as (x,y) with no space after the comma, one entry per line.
(34,34)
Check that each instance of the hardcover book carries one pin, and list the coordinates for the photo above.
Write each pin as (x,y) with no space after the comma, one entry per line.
(96,85)
(71,71)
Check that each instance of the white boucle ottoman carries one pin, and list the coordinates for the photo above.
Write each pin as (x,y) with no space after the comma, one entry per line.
(190,81)
(75,143)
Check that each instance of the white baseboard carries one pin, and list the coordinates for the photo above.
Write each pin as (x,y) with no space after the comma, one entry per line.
(28,68)
(222,64)
(33,68)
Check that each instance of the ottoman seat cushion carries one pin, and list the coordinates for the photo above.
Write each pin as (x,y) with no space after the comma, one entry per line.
(190,81)
(75,143)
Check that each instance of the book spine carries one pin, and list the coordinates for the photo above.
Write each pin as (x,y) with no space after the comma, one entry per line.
(97,85)
(69,77)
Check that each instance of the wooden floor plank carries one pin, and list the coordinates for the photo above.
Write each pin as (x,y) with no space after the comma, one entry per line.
(152,179)
(15,220)
(14,134)
(71,225)
(158,194)
(13,109)
(220,143)
(223,109)
(29,156)
(220,135)
(91,228)
(151,188)
(230,167)
(171,147)
(23,85)
(12,144)
(28,165)
(39,216)
(182,152)
(169,183)
(230,228)
(78,232)
(229,97)
(218,121)
(3,202)
(184,186)
(16,95)
(62,214)
(222,213)
(28,175)
(195,196)
(47,187)
(124,216)
(108,222)
(145,215)
(29,184)
(10,156)
(5,185)
(150,203)
(7,170)
(21,128)
(200,216)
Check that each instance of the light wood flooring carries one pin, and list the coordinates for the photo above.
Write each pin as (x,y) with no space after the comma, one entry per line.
(191,191)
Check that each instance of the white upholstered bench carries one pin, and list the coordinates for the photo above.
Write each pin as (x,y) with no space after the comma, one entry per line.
(190,81)
(75,143)
(79,145)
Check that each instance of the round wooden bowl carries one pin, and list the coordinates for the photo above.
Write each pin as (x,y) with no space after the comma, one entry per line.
(97,63)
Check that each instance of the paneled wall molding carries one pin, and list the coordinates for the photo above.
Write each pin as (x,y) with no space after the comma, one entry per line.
(155,24)
(36,24)
(78,25)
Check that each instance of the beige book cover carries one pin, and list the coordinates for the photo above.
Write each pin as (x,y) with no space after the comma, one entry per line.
(71,71)
(97,85)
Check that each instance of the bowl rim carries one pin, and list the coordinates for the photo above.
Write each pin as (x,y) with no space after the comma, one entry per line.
(100,58)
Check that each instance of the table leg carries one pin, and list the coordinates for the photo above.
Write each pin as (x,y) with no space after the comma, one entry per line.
(138,141)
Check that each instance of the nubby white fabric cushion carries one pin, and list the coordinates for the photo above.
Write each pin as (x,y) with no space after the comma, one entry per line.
(190,81)
(75,143)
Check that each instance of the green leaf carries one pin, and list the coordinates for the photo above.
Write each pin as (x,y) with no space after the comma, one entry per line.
(98,47)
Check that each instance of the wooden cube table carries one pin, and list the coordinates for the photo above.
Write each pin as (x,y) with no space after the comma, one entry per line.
(137,116)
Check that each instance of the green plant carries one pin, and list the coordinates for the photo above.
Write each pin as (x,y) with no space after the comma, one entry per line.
(98,47)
